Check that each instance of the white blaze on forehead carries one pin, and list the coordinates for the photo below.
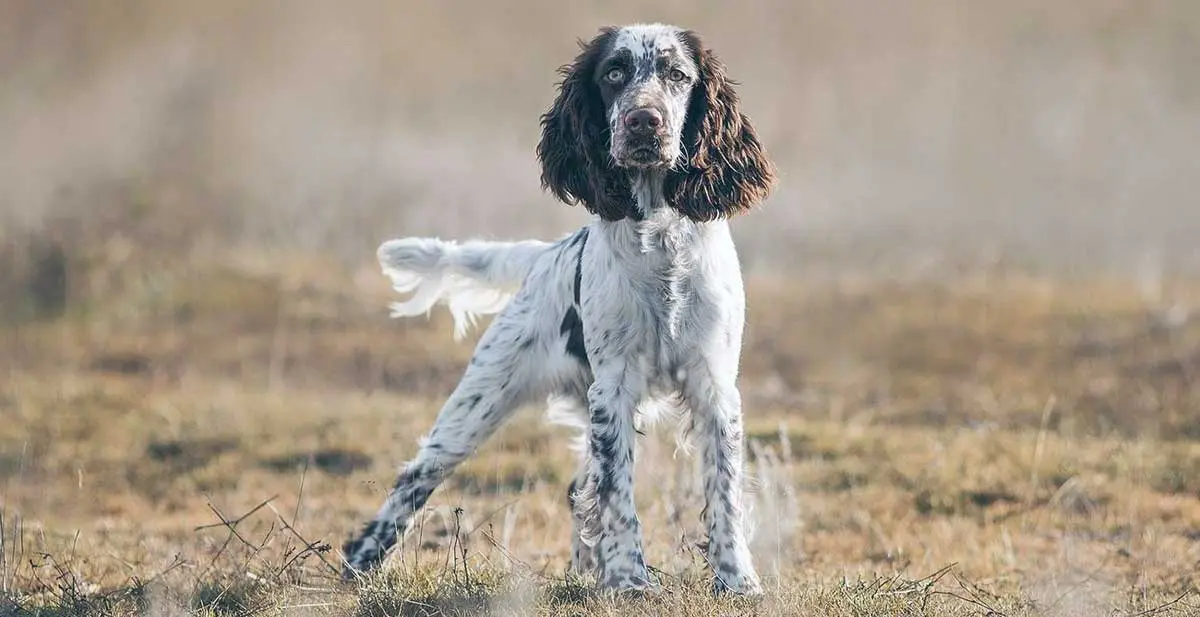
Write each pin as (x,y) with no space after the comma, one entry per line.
(648,40)
(646,87)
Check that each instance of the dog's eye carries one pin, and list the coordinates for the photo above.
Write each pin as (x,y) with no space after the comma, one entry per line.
(677,75)
(614,76)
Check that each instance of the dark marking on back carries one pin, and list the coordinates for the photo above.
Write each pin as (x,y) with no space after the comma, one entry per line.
(572,324)
(572,327)
(581,239)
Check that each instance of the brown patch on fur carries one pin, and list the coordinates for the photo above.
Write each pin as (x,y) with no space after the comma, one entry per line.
(574,149)
(729,170)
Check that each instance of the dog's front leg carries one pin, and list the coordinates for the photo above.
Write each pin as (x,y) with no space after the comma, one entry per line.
(717,408)
(607,504)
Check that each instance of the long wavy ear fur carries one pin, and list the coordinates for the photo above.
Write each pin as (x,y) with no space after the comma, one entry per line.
(574,148)
(728,170)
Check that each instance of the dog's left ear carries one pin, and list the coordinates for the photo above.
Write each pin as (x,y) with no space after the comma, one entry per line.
(728,170)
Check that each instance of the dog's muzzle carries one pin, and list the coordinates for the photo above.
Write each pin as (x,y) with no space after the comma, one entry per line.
(643,139)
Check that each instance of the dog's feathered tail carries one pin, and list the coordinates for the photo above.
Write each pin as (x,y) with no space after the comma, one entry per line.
(473,278)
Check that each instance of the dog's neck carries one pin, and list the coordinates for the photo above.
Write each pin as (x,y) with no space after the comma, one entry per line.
(658,227)
(667,242)
(648,193)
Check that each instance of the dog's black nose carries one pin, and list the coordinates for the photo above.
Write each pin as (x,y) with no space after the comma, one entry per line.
(643,120)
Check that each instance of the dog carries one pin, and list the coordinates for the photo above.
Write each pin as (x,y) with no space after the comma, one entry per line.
(645,301)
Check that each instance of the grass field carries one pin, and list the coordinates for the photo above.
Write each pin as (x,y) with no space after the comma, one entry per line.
(202,435)
(976,395)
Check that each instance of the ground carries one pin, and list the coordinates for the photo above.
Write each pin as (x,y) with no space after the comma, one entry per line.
(200,435)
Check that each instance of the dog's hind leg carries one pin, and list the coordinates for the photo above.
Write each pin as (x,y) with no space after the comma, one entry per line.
(501,376)
(583,554)
(583,561)
(569,409)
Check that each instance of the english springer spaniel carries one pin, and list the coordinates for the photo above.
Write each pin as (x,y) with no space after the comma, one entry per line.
(643,303)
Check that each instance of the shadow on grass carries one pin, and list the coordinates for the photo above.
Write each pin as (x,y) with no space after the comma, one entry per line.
(333,461)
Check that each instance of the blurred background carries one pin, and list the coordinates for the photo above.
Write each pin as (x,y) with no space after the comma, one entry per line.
(972,338)
(1050,135)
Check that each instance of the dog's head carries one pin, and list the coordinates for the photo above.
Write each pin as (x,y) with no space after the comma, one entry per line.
(644,99)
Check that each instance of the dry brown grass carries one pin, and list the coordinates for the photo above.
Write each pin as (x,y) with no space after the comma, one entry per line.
(1035,438)
(182,186)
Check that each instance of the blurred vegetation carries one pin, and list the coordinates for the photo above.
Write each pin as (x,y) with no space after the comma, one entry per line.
(920,135)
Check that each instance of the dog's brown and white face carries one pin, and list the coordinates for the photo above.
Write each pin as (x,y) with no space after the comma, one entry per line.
(651,99)
(645,79)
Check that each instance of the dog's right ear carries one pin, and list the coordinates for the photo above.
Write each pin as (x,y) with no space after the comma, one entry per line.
(574,149)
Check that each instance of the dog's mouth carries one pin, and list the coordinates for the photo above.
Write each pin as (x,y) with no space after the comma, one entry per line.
(644,156)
